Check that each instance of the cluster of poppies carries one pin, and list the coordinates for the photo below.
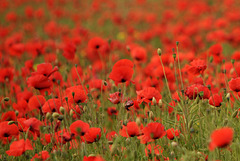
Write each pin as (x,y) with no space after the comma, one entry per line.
(119,80)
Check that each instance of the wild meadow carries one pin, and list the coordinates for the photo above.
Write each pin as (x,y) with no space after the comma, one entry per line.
(119,80)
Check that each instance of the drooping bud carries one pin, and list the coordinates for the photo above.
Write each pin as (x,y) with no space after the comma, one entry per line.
(159,51)
(55,115)
(11,122)
(154,101)
(6,99)
(62,110)
(232,61)
(48,116)
(138,121)
(160,103)
(151,115)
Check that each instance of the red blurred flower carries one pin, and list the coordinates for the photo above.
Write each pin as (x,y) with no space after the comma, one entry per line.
(43,155)
(146,95)
(171,133)
(234,84)
(115,98)
(17,148)
(93,158)
(93,135)
(112,111)
(79,128)
(215,100)
(76,94)
(197,90)
(8,130)
(152,131)
(197,66)
(131,130)
(221,138)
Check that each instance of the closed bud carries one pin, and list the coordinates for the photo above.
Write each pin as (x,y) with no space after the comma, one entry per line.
(154,101)
(16,112)
(211,59)
(92,155)
(159,51)
(62,110)
(174,56)
(177,43)
(110,142)
(71,112)
(61,117)
(233,61)
(151,115)
(48,116)
(174,144)
(228,96)
(75,65)
(235,113)
(6,99)
(138,121)
(105,83)
(160,103)
(73,94)
(55,115)
(11,122)
(128,48)
(66,98)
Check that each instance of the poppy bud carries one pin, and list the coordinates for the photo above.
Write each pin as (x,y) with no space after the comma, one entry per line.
(66,98)
(76,65)
(92,155)
(73,94)
(223,61)
(55,115)
(228,96)
(105,83)
(109,41)
(235,113)
(62,110)
(154,101)
(6,99)
(151,115)
(160,103)
(177,43)
(174,56)
(71,112)
(48,116)
(11,122)
(110,142)
(61,117)
(233,61)
(174,144)
(211,59)
(159,51)
(16,112)
(138,121)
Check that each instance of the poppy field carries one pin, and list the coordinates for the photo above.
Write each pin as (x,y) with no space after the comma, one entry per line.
(119,80)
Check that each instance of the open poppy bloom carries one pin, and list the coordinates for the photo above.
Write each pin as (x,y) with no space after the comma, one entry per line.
(79,127)
(17,148)
(115,98)
(197,90)
(171,133)
(221,138)
(43,155)
(93,158)
(93,135)
(215,100)
(146,95)
(152,131)
(8,130)
(131,130)
(122,71)
(197,66)
(234,84)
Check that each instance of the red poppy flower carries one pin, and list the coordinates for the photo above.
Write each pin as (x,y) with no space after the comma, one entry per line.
(112,111)
(197,66)
(36,102)
(6,75)
(139,54)
(43,155)
(79,128)
(152,131)
(33,125)
(69,50)
(221,138)
(76,94)
(26,95)
(8,130)
(197,90)
(215,100)
(146,95)
(93,158)
(115,98)
(9,116)
(121,74)
(52,105)
(131,130)
(234,84)
(171,133)
(45,69)
(111,135)
(40,82)
(93,135)
(22,107)
(17,148)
